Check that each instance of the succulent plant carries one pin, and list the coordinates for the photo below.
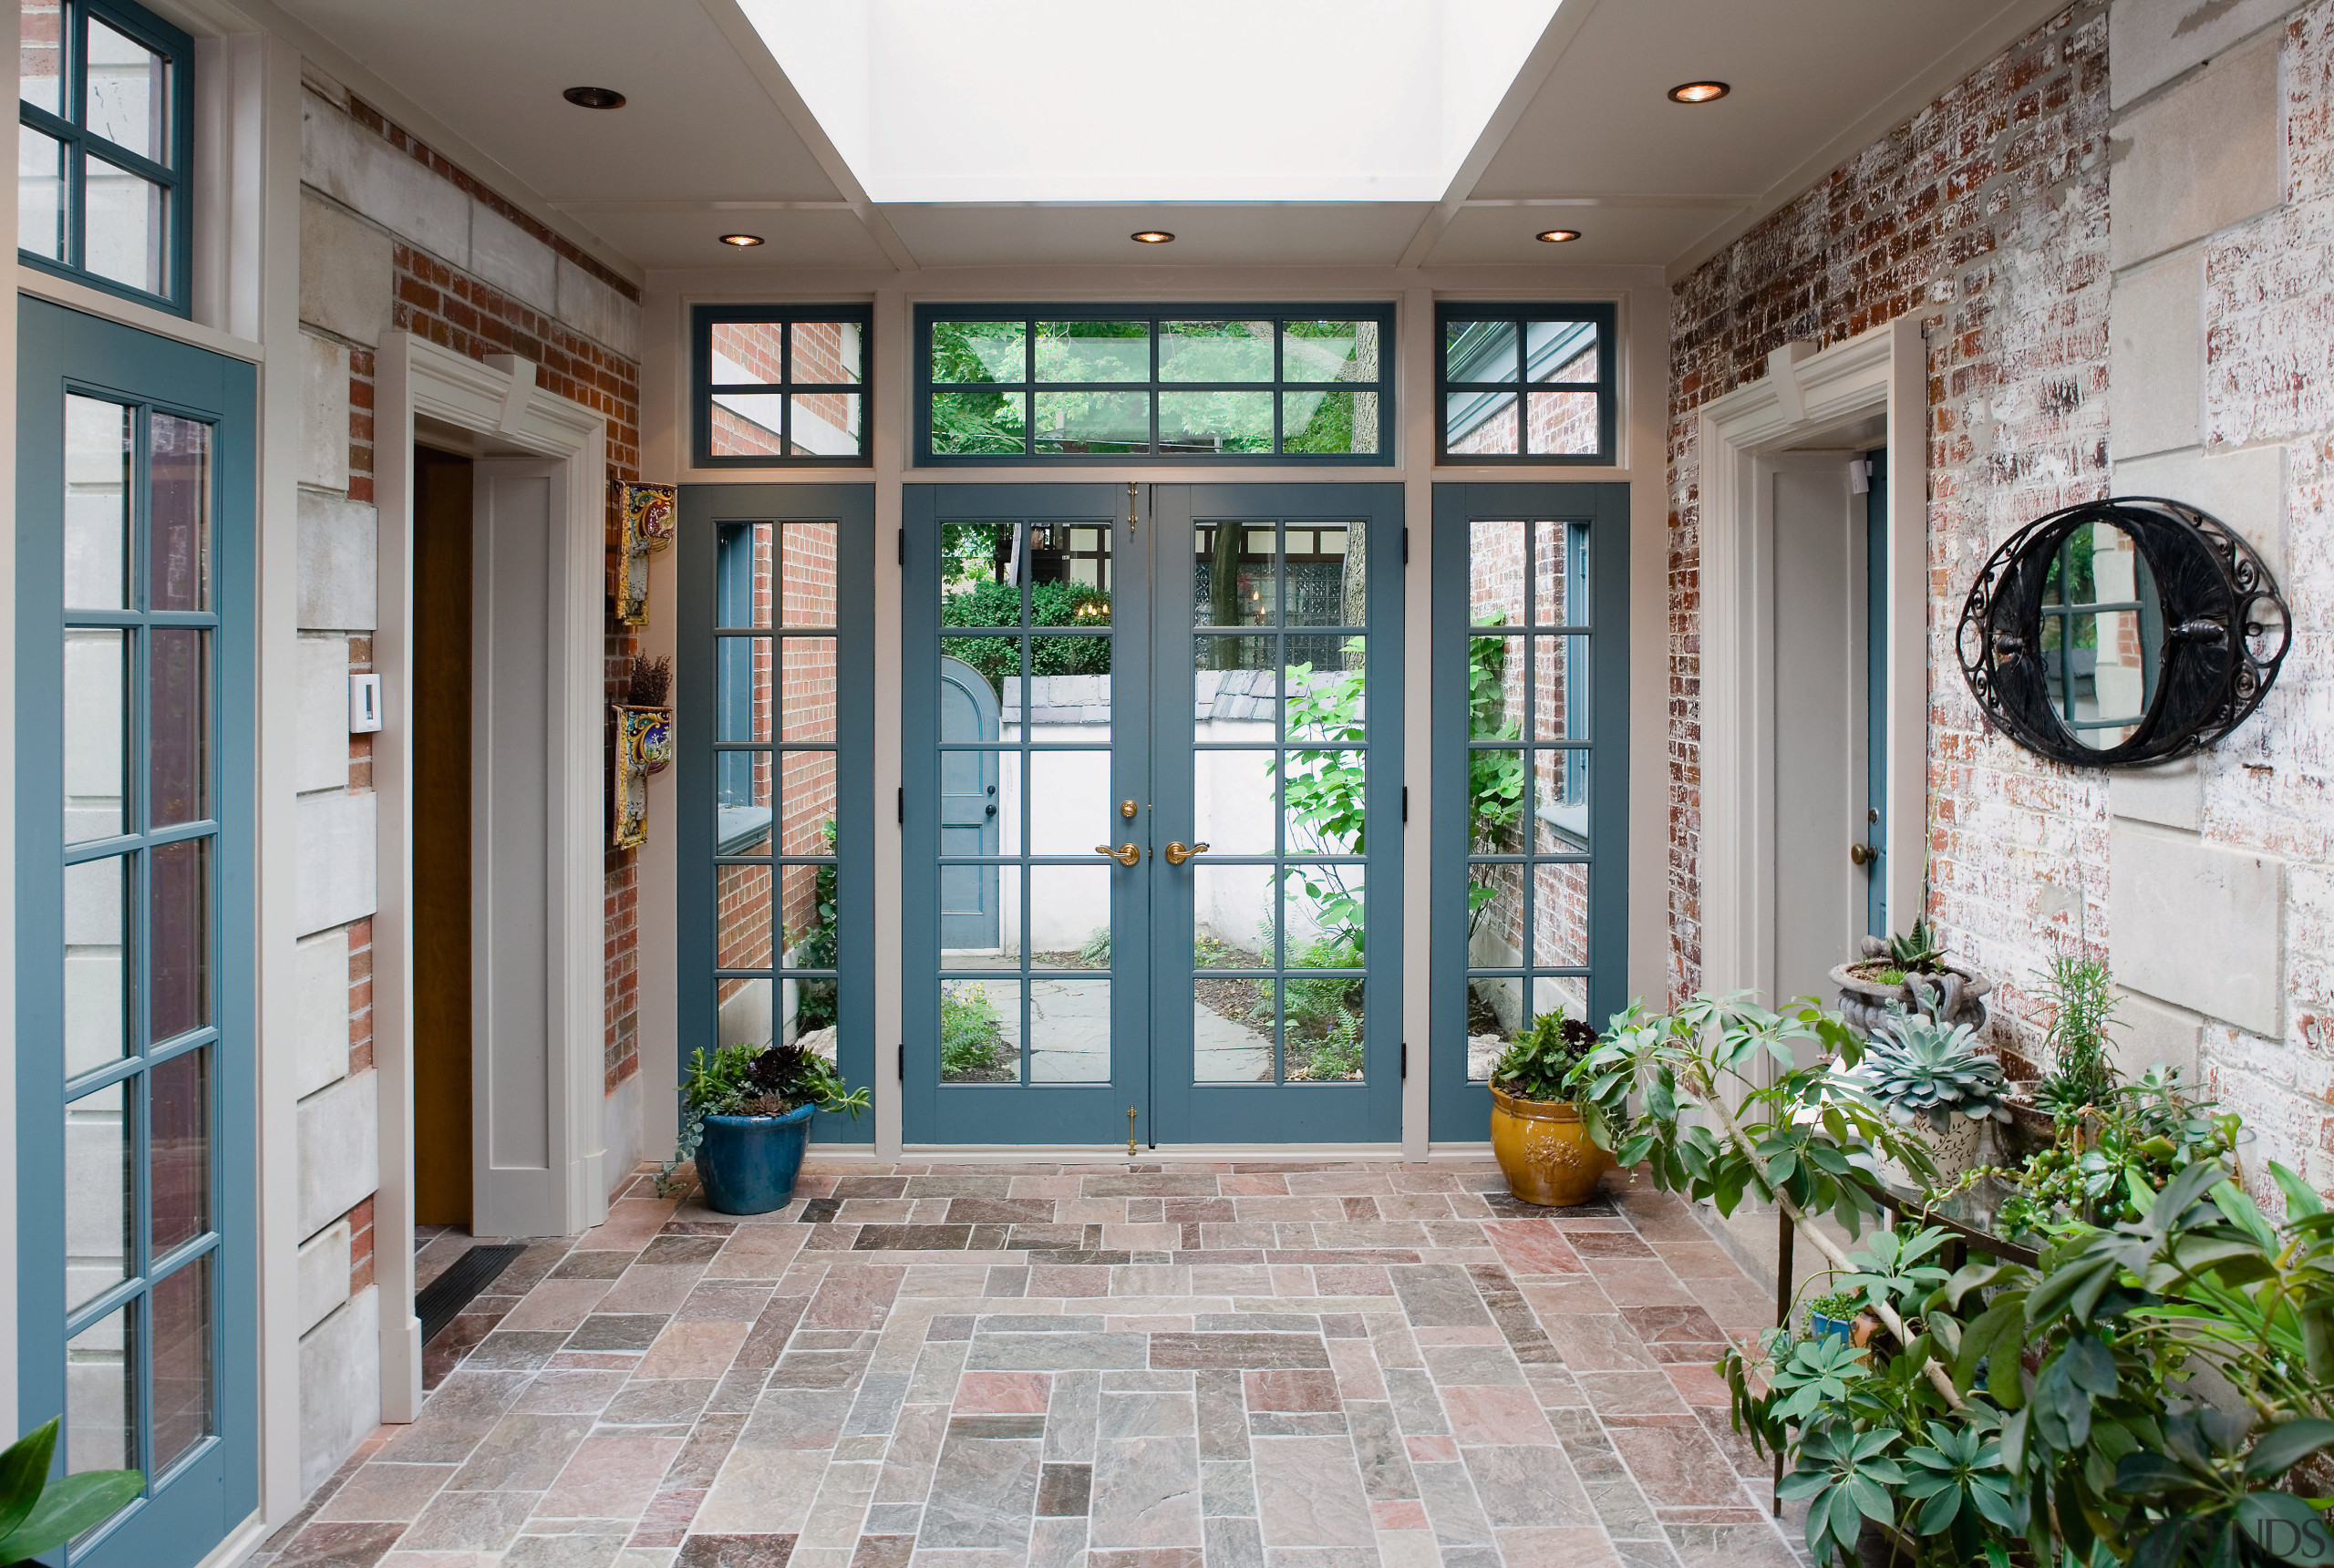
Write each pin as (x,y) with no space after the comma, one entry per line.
(1918,949)
(1535,1062)
(1918,1067)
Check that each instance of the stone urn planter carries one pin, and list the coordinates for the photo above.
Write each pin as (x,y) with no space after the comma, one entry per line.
(1865,998)
(1544,1150)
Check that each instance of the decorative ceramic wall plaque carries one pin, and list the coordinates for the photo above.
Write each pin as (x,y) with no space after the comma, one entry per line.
(648,517)
(2123,633)
(644,745)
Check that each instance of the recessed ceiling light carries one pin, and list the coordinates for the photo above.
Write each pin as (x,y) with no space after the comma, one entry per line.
(1152,237)
(1556,236)
(594,97)
(1698,92)
(743,241)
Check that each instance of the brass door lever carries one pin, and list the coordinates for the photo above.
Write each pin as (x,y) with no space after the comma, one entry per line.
(1178,851)
(1126,854)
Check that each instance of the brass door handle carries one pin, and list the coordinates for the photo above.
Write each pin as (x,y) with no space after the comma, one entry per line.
(1863,854)
(1178,851)
(1126,854)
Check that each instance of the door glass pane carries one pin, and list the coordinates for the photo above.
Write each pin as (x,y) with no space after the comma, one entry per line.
(1560,916)
(1559,573)
(179,1147)
(178,727)
(744,686)
(1232,1030)
(40,193)
(742,791)
(1480,350)
(1070,1030)
(1494,1006)
(805,694)
(1234,794)
(808,572)
(1323,795)
(96,504)
(1069,692)
(1495,685)
(1495,573)
(1321,1029)
(1234,581)
(827,352)
(100,1200)
(96,717)
(182,1337)
(1559,802)
(1560,689)
(1093,351)
(97,974)
(980,1030)
(807,789)
(178,972)
(749,423)
(128,93)
(742,1012)
(1070,916)
(179,511)
(745,575)
(127,222)
(825,424)
(1070,809)
(806,903)
(741,917)
(101,1395)
(1321,908)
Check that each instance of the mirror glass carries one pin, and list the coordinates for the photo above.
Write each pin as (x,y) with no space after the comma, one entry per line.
(2103,635)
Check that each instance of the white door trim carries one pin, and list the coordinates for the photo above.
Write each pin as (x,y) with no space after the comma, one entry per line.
(1805,395)
(498,399)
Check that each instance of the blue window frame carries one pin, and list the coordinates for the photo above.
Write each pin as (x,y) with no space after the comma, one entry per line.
(782,386)
(1525,384)
(1215,382)
(775,723)
(1531,781)
(104,128)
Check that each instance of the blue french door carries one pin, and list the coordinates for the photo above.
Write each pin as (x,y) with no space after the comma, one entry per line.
(136,1286)
(774,716)
(1530,774)
(1152,813)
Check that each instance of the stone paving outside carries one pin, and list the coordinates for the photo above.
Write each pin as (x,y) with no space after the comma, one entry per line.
(1130,1364)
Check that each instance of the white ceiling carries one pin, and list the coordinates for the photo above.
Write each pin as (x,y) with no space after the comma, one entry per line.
(716,137)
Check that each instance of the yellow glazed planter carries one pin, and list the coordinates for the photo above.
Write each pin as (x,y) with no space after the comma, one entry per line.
(1544,1151)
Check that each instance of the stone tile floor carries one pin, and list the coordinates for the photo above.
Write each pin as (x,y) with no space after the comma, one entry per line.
(1103,1366)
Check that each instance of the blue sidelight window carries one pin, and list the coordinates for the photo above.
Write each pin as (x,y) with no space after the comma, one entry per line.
(103,131)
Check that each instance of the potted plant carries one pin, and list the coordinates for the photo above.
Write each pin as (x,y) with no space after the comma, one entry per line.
(1935,1080)
(643,747)
(38,1515)
(2116,1152)
(1833,1314)
(1895,971)
(745,1117)
(1542,1146)
(2081,997)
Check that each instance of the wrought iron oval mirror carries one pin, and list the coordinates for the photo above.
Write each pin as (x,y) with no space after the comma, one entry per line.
(2122,632)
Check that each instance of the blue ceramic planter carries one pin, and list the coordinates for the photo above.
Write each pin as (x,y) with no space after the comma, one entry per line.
(1820,1326)
(747,1164)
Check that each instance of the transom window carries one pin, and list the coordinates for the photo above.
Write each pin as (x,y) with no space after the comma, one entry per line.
(1210,383)
(1525,384)
(782,386)
(103,128)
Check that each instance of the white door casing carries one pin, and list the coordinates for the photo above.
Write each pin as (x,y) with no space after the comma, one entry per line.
(1806,395)
(540,524)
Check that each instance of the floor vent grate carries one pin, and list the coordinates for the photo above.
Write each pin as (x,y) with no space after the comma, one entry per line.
(437,1303)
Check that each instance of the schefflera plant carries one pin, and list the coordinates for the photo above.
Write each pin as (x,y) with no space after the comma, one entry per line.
(2055,1416)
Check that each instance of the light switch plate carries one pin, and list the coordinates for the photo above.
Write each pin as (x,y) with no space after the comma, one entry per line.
(364,704)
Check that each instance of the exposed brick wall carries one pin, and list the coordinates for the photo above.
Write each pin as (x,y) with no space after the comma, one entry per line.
(1990,208)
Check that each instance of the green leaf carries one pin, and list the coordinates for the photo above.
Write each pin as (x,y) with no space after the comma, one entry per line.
(1942,1510)
(2283,1446)
(2280,1525)
(70,1506)
(23,1471)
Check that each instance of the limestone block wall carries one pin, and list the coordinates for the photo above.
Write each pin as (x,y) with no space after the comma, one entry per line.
(394,235)
(2121,225)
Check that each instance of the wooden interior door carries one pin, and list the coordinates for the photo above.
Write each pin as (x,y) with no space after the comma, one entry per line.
(442,815)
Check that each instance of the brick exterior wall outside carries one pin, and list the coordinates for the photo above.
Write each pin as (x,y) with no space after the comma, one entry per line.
(1990,208)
